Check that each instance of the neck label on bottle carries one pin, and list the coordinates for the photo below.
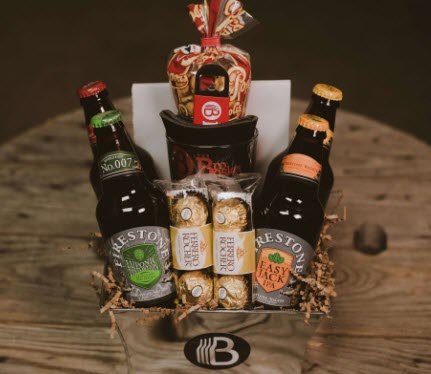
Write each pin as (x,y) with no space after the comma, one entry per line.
(301,165)
(139,258)
(117,163)
(279,253)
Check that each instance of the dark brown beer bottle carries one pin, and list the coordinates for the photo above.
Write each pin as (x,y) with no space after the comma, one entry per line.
(324,103)
(133,221)
(95,99)
(291,218)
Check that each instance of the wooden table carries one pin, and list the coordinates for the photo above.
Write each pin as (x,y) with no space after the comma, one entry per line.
(49,319)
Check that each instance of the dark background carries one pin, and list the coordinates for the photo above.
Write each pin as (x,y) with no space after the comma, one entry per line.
(378,52)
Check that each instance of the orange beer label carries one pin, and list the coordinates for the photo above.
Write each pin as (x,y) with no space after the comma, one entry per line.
(279,254)
(302,165)
(273,269)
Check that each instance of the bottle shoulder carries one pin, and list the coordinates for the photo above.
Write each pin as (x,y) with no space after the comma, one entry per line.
(129,207)
(293,209)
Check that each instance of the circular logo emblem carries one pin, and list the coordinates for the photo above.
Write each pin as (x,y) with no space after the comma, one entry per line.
(211,111)
(197,291)
(186,214)
(222,293)
(217,350)
(220,218)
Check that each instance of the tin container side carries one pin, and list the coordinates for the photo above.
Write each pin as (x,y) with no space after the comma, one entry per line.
(277,339)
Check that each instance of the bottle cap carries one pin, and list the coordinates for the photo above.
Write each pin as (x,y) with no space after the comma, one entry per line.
(314,123)
(91,89)
(105,119)
(328,92)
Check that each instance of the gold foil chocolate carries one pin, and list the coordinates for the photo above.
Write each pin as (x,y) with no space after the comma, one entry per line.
(231,291)
(230,215)
(189,211)
(195,287)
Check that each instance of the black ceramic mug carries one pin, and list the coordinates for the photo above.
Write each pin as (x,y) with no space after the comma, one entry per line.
(227,149)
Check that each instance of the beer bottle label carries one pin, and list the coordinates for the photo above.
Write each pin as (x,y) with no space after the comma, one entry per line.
(139,258)
(117,163)
(279,253)
(301,165)
(234,252)
(329,138)
(192,247)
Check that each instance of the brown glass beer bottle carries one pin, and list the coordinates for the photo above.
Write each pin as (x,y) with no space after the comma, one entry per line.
(133,220)
(291,218)
(95,99)
(324,103)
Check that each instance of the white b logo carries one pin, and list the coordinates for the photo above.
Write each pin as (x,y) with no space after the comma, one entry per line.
(211,111)
(217,350)
(206,352)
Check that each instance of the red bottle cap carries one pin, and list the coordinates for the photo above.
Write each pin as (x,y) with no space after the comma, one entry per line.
(91,89)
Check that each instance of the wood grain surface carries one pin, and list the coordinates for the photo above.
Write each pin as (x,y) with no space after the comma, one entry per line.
(49,319)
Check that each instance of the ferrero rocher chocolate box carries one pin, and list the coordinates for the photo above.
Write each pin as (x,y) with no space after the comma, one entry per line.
(237,341)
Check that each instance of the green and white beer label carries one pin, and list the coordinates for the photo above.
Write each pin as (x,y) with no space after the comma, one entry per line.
(278,254)
(117,163)
(139,258)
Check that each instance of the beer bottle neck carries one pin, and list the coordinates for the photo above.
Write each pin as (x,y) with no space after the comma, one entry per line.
(303,160)
(113,138)
(324,108)
(96,104)
(307,142)
(93,105)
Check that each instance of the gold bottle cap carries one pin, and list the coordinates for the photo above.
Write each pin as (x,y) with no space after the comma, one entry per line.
(328,92)
(314,123)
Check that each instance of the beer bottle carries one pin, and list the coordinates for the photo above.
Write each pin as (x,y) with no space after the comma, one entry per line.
(324,103)
(290,220)
(132,219)
(95,99)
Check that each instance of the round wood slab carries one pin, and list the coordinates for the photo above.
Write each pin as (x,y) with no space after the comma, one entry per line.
(49,318)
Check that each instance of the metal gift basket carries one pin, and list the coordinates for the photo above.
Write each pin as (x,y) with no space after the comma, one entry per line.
(258,341)
(255,341)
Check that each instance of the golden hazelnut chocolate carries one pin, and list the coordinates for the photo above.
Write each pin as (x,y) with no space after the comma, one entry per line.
(195,287)
(189,211)
(231,291)
(230,215)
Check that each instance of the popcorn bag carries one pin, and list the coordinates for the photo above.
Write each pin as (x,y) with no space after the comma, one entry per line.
(215,20)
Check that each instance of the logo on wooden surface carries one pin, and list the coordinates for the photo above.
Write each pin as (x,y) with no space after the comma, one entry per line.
(217,351)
